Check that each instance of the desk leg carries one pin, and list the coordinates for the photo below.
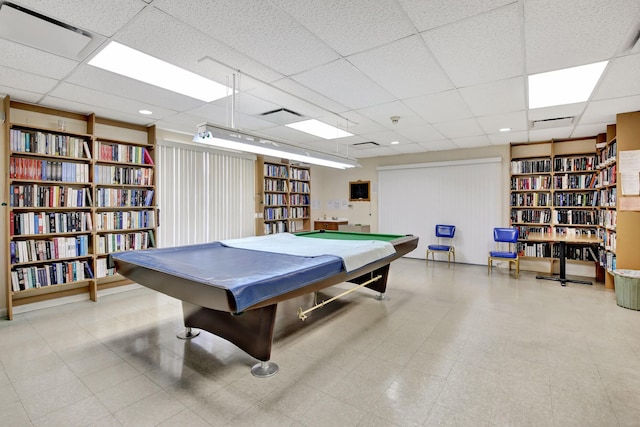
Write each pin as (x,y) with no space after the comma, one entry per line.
(562,278)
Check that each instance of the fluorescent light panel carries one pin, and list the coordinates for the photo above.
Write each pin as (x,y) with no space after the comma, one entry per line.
(245,143)
(320,129)
(128,62)
(567,86)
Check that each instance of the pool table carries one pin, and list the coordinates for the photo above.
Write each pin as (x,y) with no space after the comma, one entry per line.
(234,293)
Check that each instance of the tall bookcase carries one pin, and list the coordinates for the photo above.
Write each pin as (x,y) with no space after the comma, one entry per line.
(628,206)
(283,200)
(554,190)
(77,188)
(607,185)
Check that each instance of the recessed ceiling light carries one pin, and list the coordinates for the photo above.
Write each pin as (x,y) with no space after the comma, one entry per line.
(505,129)
(567,86)
(145,112)
(395,142)
(134,64)
(317,128)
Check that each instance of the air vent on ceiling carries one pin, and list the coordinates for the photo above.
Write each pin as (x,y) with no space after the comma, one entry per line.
(365,144)
(551,123)
(282,116)
(41,32)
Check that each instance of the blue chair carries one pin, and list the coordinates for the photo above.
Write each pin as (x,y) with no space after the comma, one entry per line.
(509,236)
(445,234)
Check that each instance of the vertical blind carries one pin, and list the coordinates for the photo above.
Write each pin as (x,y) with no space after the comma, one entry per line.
(468,194)
(203,195)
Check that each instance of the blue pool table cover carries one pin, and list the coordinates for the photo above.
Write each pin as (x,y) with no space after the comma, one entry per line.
(250,276)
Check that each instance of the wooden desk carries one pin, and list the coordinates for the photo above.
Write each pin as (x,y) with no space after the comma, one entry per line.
(564,240)
(329,224)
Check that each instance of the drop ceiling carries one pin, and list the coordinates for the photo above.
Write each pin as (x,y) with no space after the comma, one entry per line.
(453,72)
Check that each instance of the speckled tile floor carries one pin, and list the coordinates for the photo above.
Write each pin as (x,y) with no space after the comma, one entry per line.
(452,346)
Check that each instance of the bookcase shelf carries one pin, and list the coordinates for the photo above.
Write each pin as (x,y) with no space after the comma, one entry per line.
(62,182)
(283,202)
(554,189)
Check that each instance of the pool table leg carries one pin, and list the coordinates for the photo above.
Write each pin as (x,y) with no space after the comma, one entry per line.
(379,285)
(251,331)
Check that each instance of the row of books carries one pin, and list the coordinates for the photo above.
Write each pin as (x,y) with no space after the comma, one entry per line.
(609,240)
(115,152)
(608,175)
(271,184)
(31,223)
(301,174)
(275,227)
(575,217)
(125,220)
(278,171)
(530,199)
(43,250)
(122,175)
(531,166)
(48,196)
(575,199)
(552,250)
(531,183)
(271,214)
(534,249)
(525,230)
(299,212)
(44,170)
(540,216)
(299,199)
(300,187)
(609,218)
(575,181)
(608,155)
(51,144)
(123,197)
(573,164)
(117,242)
(23,278)
(102,269)
(608,197)
(275,199)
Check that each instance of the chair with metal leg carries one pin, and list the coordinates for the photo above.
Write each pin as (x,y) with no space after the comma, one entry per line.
(445,234)
(510,255)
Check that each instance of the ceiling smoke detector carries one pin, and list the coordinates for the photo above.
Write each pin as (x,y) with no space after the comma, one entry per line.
(394,119)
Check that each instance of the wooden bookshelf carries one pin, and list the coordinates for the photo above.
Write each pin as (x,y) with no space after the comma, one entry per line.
(554,190)
(283,199)
(78,187)
(607,184)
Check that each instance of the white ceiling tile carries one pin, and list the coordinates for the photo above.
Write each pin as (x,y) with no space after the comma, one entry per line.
(183,123)
(181,44)
(314,102)
(620,78)
(342,82)
(481,49)
(20,95)
(440,107)
(471,141)
(567,33)
(380,151)
(34,61)
(553,133)
(363,154)
(459,128)
(589,130)
(386,137)
(570,110)
(405,68)
(351,26)
(441,145)
(435,13)
(15,78)
(259,30)
(492,124)
(246,104)
(107,82)
(382,114)
(605,111)
(78,107)
(424,133)
(88,96)
(496,97)
(504,138)
(357,123)
(408,148)
(88,14)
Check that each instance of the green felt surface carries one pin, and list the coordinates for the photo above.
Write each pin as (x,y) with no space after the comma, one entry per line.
(347,235)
